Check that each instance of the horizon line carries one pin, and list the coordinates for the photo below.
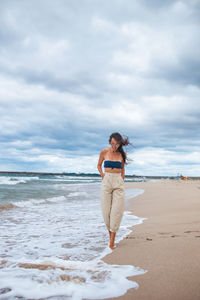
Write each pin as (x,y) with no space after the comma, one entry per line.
(82,173)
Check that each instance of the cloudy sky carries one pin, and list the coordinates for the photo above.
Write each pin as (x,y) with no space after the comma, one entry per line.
(73,72)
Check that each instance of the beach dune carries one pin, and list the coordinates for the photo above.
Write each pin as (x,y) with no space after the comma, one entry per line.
(167,244)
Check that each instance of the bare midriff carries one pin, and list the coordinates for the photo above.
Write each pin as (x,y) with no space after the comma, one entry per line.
(114,170)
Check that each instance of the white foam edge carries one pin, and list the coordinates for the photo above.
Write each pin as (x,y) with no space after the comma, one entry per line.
(116,285)
(29,202)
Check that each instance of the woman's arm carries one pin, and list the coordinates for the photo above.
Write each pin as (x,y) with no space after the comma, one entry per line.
(100,161)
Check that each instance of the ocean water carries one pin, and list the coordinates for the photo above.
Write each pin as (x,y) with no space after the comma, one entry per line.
(53,239)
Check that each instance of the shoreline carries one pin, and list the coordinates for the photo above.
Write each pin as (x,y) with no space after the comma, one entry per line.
(166,244)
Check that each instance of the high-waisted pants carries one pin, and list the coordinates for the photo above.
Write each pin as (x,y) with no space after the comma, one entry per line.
(112,200)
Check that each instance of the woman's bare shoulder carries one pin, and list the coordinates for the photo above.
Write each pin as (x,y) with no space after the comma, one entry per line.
(104,151)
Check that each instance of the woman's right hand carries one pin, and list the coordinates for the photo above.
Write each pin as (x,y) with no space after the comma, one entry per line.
(102,176)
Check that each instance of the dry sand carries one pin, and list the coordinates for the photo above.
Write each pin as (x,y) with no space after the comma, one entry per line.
(167,244)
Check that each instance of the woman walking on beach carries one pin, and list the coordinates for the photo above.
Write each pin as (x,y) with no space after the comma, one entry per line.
(112,187)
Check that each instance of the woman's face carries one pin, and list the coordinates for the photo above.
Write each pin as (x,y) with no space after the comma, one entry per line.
(114,144)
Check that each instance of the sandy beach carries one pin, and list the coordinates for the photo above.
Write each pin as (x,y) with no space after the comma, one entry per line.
(167,244)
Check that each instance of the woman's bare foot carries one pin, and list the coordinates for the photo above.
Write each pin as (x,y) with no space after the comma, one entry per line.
(112,240)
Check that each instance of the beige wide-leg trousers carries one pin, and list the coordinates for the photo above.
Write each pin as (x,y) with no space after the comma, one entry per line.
(112,200)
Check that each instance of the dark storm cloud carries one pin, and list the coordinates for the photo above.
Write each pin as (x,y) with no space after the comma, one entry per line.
(188,72)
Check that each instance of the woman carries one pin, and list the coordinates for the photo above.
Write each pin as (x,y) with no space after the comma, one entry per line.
(112,188)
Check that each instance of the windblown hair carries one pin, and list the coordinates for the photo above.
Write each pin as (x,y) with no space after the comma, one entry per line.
(123,141)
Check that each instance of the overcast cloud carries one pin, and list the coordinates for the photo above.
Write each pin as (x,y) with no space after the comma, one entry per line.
(73,72)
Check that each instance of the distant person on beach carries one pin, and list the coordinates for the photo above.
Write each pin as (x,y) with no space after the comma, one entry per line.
(112,187)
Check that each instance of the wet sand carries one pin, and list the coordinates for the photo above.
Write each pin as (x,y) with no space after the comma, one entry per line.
(167,244)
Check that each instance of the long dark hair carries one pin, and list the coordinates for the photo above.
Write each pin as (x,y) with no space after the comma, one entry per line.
(123,141)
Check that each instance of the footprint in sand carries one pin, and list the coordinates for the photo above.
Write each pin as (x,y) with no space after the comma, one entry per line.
(167,234)
(190,231)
